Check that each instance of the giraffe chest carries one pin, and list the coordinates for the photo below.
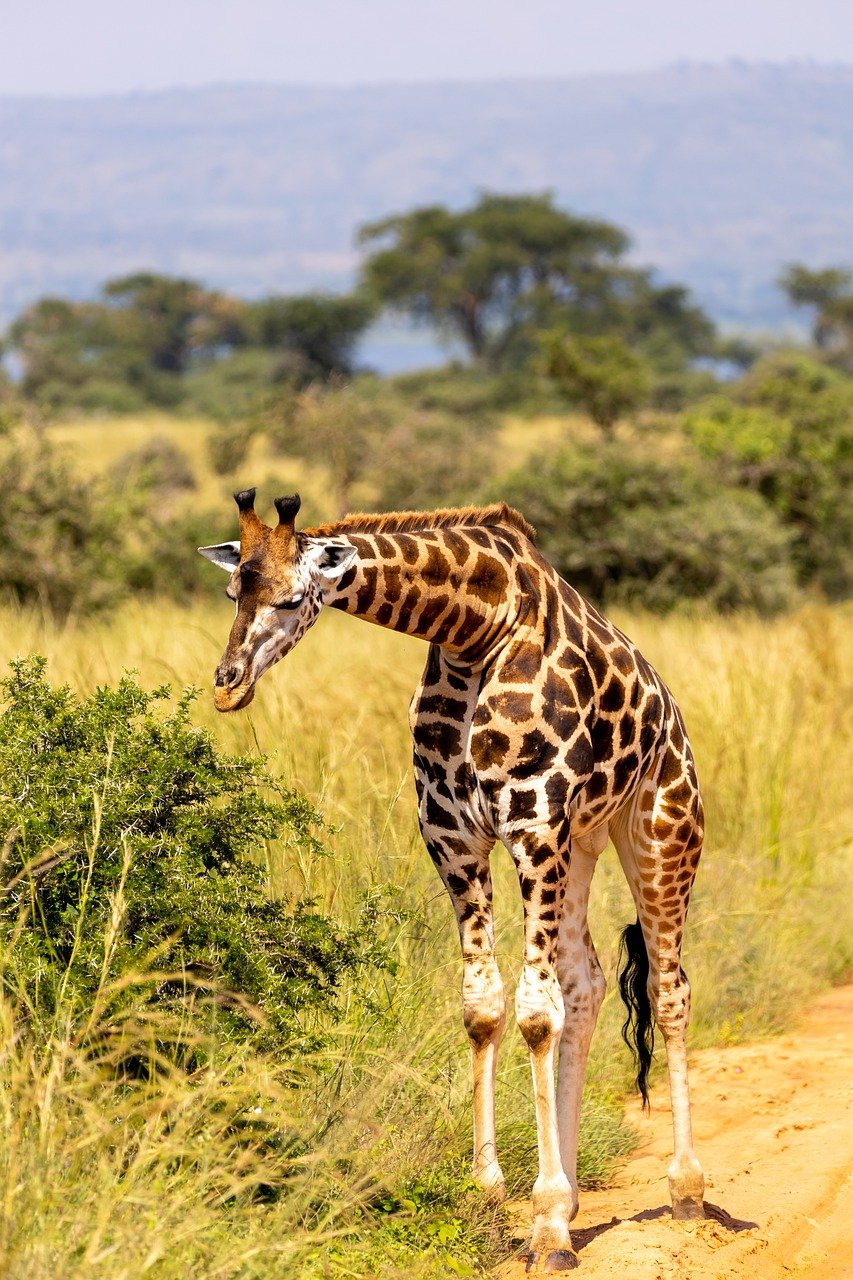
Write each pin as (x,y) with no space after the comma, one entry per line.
(442,718)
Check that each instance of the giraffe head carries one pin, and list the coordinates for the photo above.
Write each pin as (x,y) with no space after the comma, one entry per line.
(277,577)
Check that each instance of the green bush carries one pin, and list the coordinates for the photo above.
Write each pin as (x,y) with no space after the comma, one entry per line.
(128,839)
(228,446)
(787,433)
(623,527)
(96,395)
(159,469)
(429,459)
(230,388)
(57,529)
(601,374)
(378,450)
(673,390)
(334,425)
(466,391)
(748,441)
(76,544)
(157,552)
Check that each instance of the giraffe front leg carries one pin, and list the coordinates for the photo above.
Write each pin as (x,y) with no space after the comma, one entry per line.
(465,871)
(540,1014)
(484,1015)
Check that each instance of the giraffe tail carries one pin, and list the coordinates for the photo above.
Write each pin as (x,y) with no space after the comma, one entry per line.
(638,1031)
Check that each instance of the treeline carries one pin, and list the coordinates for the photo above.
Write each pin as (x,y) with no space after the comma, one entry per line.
(739,500)
(707,469)
(141,341)
(494,278)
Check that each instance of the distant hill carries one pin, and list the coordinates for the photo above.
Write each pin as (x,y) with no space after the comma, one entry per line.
(720,174)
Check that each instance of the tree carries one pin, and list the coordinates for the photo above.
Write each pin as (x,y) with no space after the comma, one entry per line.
(164,320)
(601,374)
(661,321)
(828,292)
(126,349)
(60,345)
(488,274)
(317,331)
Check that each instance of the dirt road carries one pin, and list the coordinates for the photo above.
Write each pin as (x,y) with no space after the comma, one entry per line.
(773,1125)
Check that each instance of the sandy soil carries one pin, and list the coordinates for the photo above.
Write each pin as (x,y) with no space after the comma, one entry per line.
(773,1126)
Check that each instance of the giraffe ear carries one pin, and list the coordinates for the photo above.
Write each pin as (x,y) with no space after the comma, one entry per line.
(331,558)
(224,554)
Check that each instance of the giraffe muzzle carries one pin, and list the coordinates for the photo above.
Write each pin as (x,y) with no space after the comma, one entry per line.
(233,687)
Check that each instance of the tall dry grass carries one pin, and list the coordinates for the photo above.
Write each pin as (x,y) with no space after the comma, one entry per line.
(108,1178)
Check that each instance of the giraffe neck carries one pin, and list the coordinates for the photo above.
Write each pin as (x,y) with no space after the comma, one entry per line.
(453,587)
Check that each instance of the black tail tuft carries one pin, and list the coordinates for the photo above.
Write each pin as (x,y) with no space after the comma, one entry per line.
(639,1029)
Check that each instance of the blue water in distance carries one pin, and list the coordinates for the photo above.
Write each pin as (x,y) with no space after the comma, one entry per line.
(390,348)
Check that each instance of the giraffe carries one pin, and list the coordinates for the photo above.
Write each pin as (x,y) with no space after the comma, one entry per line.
(536,723)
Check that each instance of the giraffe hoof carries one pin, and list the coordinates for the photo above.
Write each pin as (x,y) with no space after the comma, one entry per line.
(561,1260)
(556,1260)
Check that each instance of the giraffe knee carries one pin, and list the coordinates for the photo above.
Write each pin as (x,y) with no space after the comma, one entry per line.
(484,1021)
(483,1005)
(539,1027)
(539,1010)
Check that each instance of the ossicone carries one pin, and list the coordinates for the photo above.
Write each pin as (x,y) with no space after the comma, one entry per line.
(245,499)
(287,508)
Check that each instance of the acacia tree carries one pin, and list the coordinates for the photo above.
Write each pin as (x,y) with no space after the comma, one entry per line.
(491,272)
(830,295)
(141,334)
(165,320)
(60,344)
(315,332)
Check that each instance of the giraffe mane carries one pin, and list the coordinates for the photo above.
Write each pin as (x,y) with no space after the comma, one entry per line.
(498,513)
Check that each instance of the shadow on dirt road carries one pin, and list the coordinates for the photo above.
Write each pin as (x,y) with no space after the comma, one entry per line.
(773,1125)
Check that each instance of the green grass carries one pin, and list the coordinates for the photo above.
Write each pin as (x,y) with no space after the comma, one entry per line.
(105,1179)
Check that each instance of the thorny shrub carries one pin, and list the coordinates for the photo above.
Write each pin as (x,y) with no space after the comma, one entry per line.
(127,851)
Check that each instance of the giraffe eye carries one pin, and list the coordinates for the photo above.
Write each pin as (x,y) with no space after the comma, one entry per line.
(294,603)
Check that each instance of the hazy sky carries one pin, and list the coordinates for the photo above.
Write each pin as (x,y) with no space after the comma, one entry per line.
(109,46)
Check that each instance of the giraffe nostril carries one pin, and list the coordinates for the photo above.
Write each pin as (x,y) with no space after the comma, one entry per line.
(230,676)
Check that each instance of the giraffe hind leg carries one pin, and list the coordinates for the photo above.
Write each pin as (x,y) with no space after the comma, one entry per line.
(660,874)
